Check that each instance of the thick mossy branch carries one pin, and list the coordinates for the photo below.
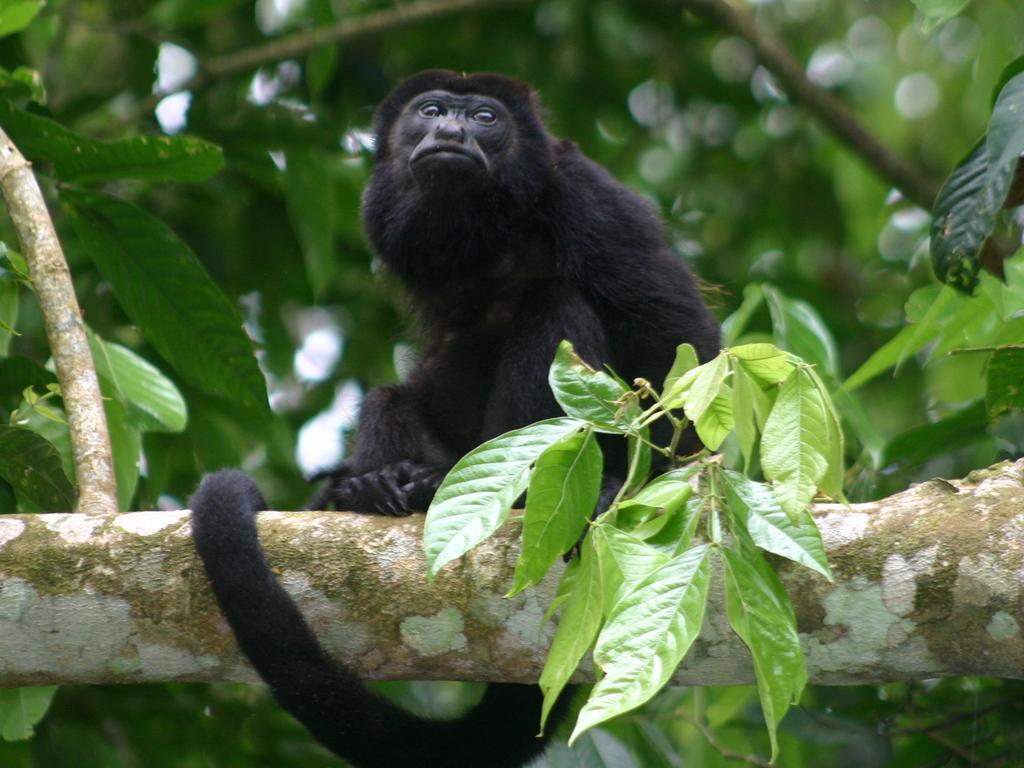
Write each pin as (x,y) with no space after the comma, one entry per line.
(928,584)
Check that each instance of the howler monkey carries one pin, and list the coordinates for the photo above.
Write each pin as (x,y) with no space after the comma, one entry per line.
(508,240)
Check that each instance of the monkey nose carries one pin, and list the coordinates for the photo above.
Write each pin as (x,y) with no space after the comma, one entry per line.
(450,130)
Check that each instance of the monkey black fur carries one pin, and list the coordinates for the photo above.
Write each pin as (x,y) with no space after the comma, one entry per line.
(509,241)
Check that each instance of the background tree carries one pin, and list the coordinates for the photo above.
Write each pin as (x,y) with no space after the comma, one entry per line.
(204,160)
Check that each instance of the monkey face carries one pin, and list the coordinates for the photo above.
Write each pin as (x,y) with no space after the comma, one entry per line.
(450,142)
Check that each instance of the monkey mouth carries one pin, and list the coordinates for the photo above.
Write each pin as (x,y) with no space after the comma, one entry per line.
(446,152)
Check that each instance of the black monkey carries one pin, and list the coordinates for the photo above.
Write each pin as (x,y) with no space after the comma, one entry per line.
(508,241)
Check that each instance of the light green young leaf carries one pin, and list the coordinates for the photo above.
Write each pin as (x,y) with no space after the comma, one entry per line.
(152,401)
(577,627)
(766,363)
(936,12)
(769,631)
(744,393)
(625,562)
(668,491)
(584,393)
(646,636)
(675,535)
(21,709)
(753,506)
(706,386)
(795,444)
(715,424)
(798,328)
(686,360)
(734,325)
(15,15)
(474,499)
(563,491)
(832,483)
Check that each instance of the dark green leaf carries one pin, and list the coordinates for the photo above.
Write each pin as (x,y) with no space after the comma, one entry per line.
(79,158)
(563,491)
(475,497)
(33,467)
(309,193)
(1004,389)
(126,447)
(167,293)
(916,446)
(10,291)
(18,372)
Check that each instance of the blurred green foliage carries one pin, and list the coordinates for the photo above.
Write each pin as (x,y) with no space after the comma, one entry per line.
(756,195)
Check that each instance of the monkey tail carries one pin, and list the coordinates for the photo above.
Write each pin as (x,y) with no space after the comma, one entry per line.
(323,694)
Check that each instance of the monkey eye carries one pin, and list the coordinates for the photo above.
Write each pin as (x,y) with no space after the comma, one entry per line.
(431,109)
(485,116)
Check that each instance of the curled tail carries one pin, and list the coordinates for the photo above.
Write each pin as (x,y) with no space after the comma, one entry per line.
(323,694)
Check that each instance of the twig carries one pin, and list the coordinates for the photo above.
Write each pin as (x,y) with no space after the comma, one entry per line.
(701,725)
(90,443)
(303,42)
(914,184)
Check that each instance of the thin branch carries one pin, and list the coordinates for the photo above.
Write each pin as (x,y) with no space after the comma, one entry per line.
(306,41)
(80,389)
(912,182)
(701,725)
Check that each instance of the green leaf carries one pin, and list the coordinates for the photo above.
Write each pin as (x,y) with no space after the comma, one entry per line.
(706,386)
(309,194)
(10,292)
(795,447)
(126,447)
(761,615)
(577,626)
(152,401)
(625,561)
(474,499)
(745,406)
(15,15)
(23,82)
(936,12)
(765,363)
(33,467)
(79,158)
(19,372)
(164,289)
(964,215)
(916,446)
(686,360)
(22,708)
(715,424)
(639,452)
(584,393)
(647,635)
(753,506)
(563,492)
(734,325)
(1004,385)
(799,329)
(910,339)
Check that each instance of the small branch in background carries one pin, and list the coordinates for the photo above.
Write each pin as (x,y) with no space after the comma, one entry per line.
(698,722)
(307,41)
(80,389)
(913,183)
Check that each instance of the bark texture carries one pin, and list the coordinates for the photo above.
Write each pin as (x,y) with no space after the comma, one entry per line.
(80,389)
(929,583)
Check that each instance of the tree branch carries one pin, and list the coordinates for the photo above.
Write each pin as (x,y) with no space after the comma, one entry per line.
(927,585)
(80,389)
(914,184)
(306,41)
